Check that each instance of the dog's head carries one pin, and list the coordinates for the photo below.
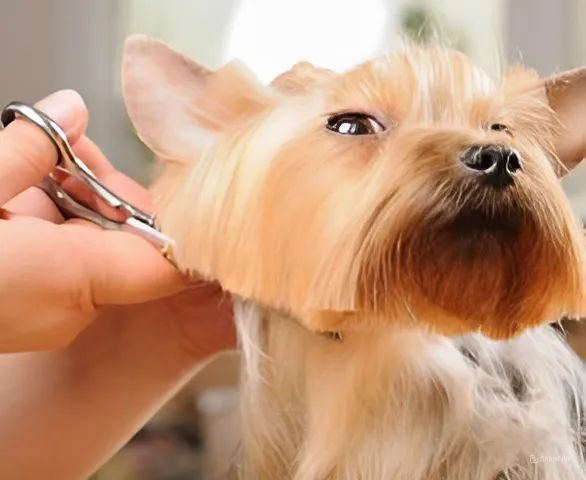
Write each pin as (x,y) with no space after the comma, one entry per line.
(411,188)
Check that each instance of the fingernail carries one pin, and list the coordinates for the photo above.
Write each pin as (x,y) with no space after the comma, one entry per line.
(65,107)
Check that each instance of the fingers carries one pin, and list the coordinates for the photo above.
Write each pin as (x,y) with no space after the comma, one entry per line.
(116,267)
(33,202)
(121,268)
(27,154)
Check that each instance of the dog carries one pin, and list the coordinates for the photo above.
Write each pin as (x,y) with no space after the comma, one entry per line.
(396,241)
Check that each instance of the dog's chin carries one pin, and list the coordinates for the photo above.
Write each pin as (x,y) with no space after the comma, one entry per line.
(475,266)
(489,270)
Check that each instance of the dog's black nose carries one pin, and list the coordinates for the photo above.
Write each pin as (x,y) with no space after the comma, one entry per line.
(497,163)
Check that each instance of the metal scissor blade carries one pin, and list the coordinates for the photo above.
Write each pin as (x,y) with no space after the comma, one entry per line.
(71,208)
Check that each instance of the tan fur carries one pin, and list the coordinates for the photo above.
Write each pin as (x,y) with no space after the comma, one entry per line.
(385,243)
(363,235)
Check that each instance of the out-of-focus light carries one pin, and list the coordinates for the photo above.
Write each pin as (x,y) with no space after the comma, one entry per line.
(270,36)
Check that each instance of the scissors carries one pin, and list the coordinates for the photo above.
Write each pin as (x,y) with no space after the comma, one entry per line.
(133,219)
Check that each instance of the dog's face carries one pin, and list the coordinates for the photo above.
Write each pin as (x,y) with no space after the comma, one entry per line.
(410,188)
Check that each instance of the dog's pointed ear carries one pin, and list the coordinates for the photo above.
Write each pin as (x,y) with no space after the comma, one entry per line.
(177,105)
(566,93)
(301,77)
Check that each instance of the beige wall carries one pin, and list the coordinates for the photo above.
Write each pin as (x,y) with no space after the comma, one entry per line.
(48,45)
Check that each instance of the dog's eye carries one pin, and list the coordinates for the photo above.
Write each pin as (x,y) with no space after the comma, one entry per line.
(500,127)
(354,124)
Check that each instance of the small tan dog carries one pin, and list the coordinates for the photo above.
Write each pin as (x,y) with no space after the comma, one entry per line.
(409,209)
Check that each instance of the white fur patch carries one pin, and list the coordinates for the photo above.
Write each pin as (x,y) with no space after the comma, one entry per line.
(407,405)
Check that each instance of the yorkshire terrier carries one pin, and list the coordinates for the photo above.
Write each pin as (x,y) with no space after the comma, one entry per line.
(396,240)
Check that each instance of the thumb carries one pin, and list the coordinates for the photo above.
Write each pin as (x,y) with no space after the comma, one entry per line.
(26,152)
(119,268)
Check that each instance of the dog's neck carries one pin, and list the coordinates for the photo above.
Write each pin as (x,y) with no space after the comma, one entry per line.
(308,392)
(395,403)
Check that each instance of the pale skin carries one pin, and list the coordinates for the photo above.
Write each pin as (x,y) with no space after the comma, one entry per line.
(97,330)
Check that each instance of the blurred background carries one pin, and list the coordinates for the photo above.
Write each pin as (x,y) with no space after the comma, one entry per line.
(53,44)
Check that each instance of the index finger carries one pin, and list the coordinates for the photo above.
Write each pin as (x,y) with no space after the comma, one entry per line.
(26,152)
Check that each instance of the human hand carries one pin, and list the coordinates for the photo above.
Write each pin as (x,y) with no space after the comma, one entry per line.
(56,273)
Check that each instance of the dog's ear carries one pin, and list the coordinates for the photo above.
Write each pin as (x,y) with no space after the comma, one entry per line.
(301,77)
(566,93)
(176,105)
